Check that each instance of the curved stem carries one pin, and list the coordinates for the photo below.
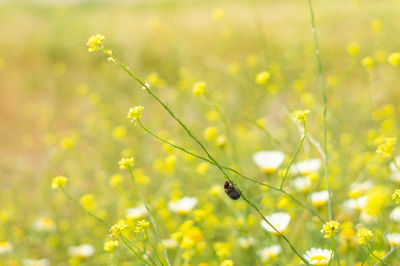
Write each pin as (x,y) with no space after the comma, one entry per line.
(294,156)
(311,211)
(322,88)
(196,140)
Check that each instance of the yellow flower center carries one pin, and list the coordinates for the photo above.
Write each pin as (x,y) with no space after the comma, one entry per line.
(319,260)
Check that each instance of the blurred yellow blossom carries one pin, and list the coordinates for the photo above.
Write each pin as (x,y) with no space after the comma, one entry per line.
(301,115)
(199,88)
(262,77)
(135,114)
(58,182)
(330,228)
(126,163)
(363,235)
(110,245)
(394,59)
(95,42)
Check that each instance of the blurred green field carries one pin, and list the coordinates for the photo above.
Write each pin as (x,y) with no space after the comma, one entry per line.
(63,112)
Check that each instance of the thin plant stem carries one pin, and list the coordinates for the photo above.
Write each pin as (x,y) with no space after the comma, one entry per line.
(132,249)
(196,140)
(376,257)
(102,222)
(394,162)
(153,248)
(152,220)
(323,90)
(281,190)
(295,155)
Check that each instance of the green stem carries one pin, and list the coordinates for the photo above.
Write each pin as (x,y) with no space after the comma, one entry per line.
(154,248)
(311,211)
(376,257)
(101,221)
(322,88)
(195,139)
(394,162)
(132,249)
(152,220)
(295,155)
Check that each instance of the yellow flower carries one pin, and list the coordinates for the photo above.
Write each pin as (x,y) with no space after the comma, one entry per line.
(386,148)
(210,133)
(142,226)
(227,263)
(262,77)
(396,196)
(301,115)
(199,88)
(110,245)
(116,180)
(135,114)
(218,14)
(363,235)
(394,59)
(330,228)
(222,249)
(95,43)
(58,182)
(87,201)
(126,163)
(368,62)
(353,48)
(118,228)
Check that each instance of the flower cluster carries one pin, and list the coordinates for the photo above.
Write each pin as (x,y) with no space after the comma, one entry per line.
(386,148)
(58,182)
(135,114)
(126,163)
(330,228)
(301,115)
(95,42)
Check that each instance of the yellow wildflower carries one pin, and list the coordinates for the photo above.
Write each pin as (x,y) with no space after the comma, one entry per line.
(329,228)
(135,114)
(58,182)
(301,115)
(110,245)
(363,235)
(262,77)
(95,43)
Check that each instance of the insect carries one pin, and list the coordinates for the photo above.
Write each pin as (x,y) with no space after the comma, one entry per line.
(231,190)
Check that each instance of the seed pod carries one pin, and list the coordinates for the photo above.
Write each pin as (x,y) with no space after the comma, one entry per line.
(231,191)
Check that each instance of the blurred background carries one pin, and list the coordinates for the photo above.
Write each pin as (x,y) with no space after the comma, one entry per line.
(63,112)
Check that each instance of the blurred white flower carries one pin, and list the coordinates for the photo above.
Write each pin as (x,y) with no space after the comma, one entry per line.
(82,251)
(395,214)
(356,204)
(320,198)
(394,239)
(306,167)
(183,205)
(44,224)
(268,161)
(41,262)
(317,256)
(136,213)
(359,188)
(269,253)
(5,247)
(170,243)
(302,184)
(246,242)
(280,220)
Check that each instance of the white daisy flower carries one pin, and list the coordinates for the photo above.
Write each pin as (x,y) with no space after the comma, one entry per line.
(5,247)
(136,213)
(394,239)
(170,243)
(41,262)
(81,251)
(359,188)
(280,220)
(356,204)
(302,184)
(395,214)
(269,253)
(183,205)
(268,161)
(320,198)
(44,224)
(306,167)
(317,256)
